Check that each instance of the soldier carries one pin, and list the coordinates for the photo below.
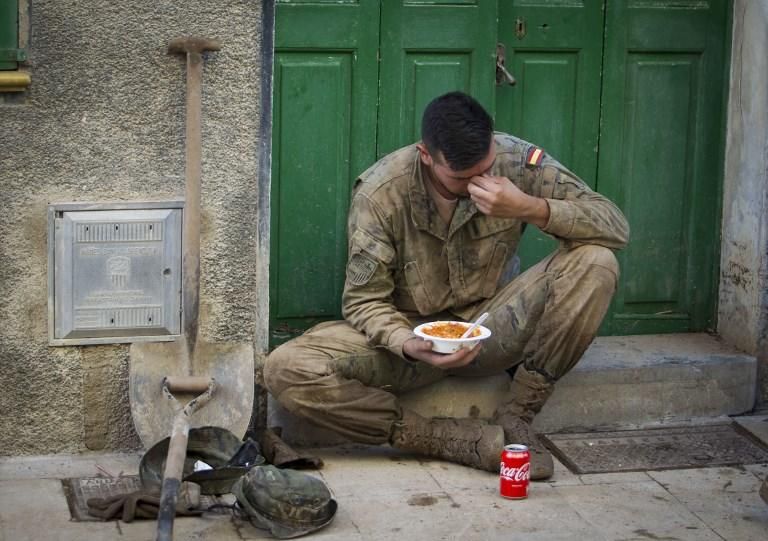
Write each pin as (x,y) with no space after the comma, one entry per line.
(433,228)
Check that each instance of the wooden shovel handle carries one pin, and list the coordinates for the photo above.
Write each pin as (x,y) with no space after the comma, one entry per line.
(187,384)
(177,447)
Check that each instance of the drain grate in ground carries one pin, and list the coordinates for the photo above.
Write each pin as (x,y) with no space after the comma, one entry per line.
(656,449)
(80,489)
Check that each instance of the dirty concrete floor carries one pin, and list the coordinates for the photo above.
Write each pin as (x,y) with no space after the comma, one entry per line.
(383,494)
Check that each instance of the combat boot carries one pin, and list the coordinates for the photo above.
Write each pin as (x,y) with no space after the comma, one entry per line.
(528,393)
(470,442)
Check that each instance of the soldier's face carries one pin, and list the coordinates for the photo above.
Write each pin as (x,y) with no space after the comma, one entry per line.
(454,183)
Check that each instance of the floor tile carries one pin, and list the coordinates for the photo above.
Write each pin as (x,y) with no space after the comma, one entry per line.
(637,510)
(726,499)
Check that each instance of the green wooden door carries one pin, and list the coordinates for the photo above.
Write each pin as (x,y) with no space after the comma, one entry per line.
(429,48)
(554,49)
(626,93)
(324,133)
(327,86)
(661,147)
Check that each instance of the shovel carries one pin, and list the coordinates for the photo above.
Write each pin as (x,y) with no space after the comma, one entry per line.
(189,383)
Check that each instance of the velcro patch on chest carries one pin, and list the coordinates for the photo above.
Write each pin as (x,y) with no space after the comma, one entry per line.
(534,157)
(360,268)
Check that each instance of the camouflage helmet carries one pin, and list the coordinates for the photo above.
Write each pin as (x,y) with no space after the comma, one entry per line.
(286,502)
(229,457)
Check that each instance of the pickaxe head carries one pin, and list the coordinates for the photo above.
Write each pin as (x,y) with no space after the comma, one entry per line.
(192,44)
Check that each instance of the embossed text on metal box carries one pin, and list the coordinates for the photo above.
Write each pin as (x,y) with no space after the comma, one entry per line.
(114,272)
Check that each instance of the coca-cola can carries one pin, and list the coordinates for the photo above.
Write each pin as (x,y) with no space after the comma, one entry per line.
(515,472)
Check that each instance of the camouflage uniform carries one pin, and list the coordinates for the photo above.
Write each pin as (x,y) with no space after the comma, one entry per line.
(407,266)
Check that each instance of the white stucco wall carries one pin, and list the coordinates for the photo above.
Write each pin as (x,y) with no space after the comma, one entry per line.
(743,297)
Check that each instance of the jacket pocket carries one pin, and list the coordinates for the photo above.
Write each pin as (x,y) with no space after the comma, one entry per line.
(417,288)
(486,226)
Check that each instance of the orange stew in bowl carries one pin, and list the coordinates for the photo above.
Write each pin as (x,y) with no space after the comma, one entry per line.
(448,330)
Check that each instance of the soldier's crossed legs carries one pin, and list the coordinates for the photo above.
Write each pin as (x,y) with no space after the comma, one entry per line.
(545,319)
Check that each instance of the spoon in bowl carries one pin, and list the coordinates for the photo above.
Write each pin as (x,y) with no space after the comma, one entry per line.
(477,322)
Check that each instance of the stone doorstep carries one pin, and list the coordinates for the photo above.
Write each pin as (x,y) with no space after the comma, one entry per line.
(623,382)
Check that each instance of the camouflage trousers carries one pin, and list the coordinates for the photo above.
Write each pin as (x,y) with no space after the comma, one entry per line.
(544,319)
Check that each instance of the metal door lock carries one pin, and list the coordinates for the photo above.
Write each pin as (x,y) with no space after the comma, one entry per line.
(520,28)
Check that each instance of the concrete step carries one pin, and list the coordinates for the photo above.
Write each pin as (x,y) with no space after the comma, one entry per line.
(622,382)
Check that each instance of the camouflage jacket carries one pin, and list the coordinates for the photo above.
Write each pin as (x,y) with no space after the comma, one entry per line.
(404,261)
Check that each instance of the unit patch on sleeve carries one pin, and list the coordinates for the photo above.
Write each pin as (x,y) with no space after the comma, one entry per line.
(534,157)
(360,269)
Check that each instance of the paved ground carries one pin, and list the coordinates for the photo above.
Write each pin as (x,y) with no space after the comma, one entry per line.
(384,495)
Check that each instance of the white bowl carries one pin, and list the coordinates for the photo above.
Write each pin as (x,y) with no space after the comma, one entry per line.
(450,345)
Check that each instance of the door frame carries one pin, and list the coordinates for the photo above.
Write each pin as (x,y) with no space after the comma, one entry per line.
(263,188)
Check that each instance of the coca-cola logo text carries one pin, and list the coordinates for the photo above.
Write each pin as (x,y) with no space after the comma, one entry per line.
(516,474)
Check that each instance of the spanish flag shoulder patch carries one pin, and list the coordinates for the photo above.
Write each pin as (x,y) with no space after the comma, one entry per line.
(534,157)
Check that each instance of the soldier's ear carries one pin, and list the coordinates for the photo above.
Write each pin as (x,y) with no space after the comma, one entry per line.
(424,155)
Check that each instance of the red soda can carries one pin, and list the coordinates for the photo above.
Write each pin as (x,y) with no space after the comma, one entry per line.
(515,472)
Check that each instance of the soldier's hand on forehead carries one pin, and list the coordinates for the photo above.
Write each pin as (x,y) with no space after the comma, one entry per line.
(500,198)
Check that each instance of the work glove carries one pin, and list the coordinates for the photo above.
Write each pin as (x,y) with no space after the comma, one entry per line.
(144,504)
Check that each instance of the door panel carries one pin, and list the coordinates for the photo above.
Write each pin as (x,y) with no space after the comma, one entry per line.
(660,158)
(429,48)
(554,50)
(660,94)
(323,135)
(322,186)
(557,98)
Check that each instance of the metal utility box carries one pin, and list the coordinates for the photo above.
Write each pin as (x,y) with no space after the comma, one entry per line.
(114,272)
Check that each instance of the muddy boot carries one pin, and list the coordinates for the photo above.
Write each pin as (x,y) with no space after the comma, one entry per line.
(470,442)
(529,391)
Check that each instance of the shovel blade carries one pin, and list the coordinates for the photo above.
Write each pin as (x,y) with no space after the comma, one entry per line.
(231,365)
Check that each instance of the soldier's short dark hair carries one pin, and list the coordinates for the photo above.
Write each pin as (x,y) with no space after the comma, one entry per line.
(459,127)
